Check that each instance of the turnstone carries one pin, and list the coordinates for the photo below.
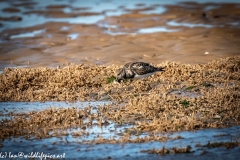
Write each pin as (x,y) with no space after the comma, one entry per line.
(136,70)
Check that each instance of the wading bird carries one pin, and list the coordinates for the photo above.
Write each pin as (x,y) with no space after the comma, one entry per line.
(136,70)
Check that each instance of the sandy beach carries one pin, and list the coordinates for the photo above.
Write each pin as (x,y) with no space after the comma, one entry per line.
(57,66)
(187,33)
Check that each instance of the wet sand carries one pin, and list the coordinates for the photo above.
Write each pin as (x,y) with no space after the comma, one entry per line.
(188,33)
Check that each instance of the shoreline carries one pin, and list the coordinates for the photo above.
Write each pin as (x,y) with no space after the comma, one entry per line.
(188,33)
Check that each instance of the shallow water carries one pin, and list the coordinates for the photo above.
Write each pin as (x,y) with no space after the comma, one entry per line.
(27,34)
(190,25)
(72,146)
(156,29)
(6,108)
(104,8)
(24,107)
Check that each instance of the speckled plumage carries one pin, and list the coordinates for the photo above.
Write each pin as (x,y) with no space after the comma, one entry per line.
(136,70)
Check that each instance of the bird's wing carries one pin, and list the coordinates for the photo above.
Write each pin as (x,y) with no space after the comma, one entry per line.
(141,68)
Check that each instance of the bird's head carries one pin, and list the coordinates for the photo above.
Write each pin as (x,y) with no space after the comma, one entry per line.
(119,75)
